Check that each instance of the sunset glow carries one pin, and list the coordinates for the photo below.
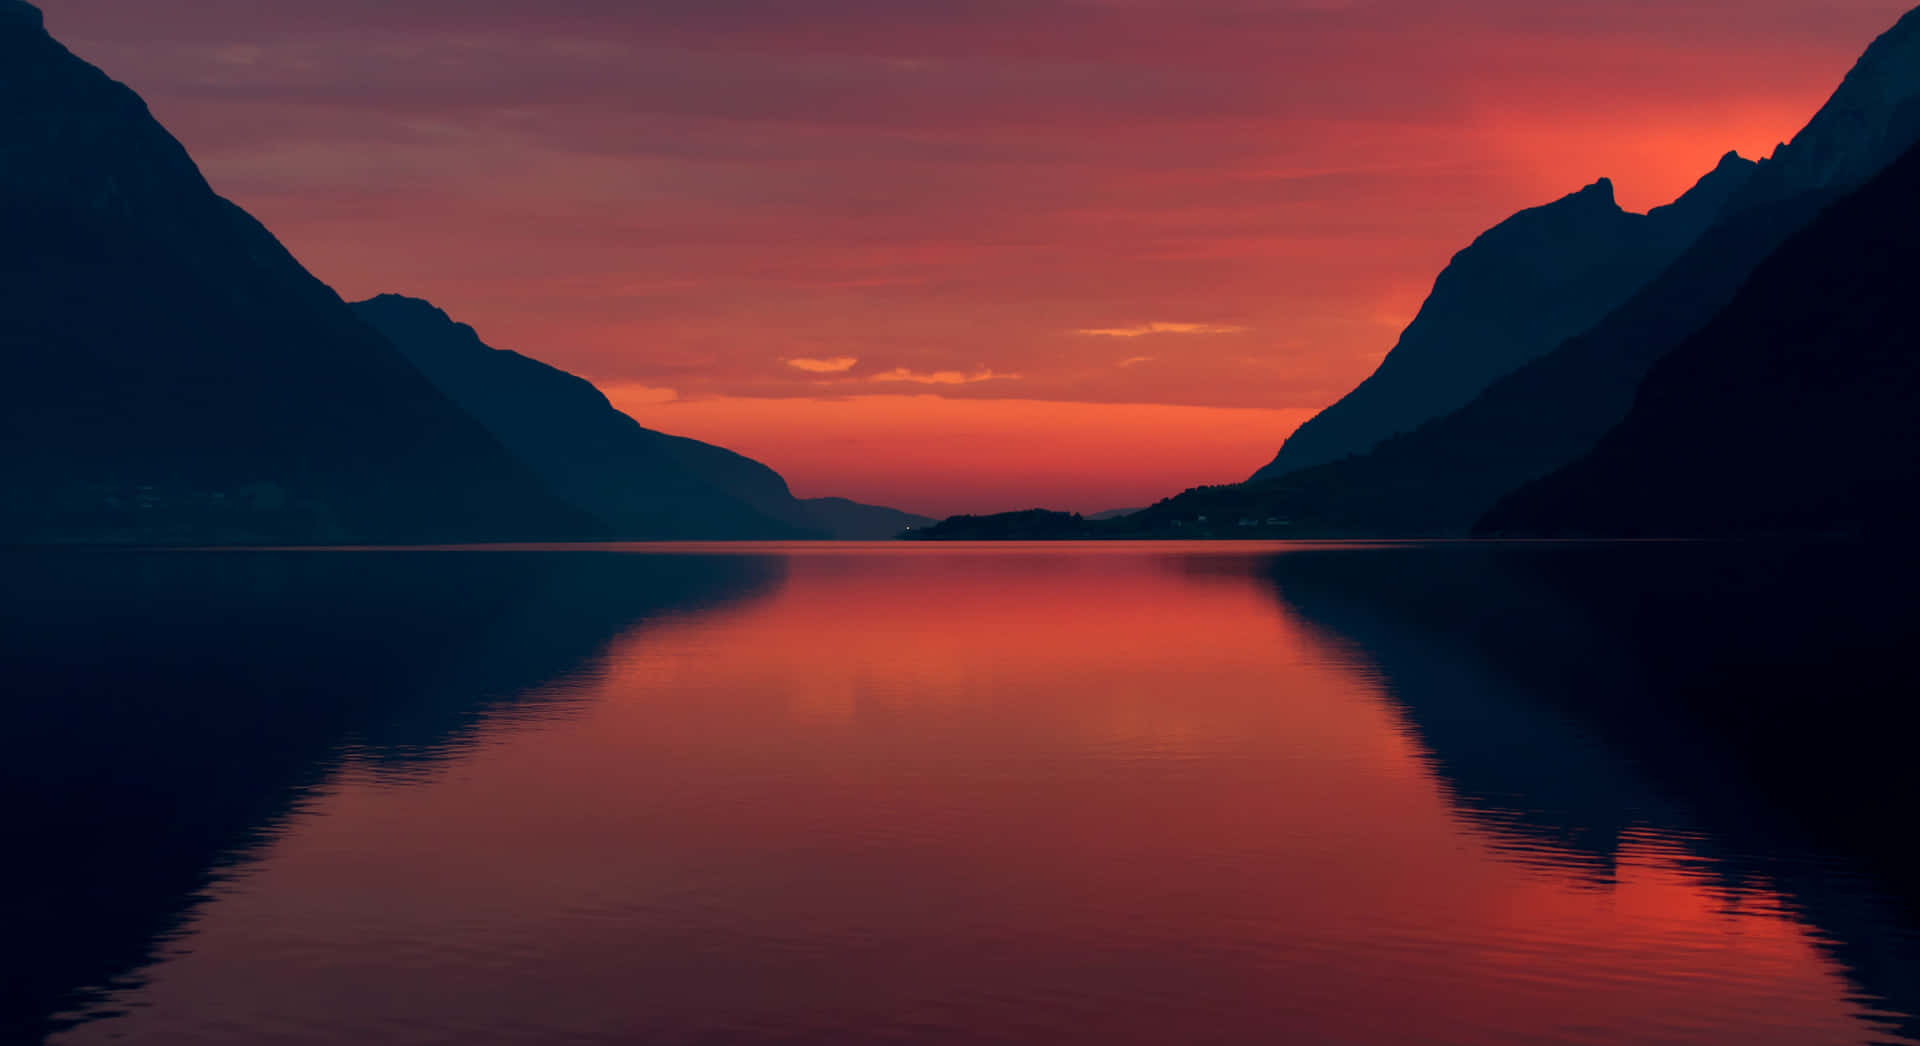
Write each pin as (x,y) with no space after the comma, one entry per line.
(769,214)
(939,456)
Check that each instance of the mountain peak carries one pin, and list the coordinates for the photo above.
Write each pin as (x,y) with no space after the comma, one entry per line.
(1597,201)
(14,12)
(407,303)
(1602,189)
(1686,218)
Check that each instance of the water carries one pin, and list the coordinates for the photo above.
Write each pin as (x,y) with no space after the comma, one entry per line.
(930,794)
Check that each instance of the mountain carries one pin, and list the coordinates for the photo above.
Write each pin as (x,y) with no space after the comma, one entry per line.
(1029,525)
(1871,121)
(851,521)
(173,374)
(1518,292)
(645,485)
(1793,412)
(1439,479)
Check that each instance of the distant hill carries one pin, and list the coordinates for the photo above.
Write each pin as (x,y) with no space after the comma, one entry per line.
(644,484)
(172,374)
(1030,525)
(852,521)
(1521,289)
(1796,411)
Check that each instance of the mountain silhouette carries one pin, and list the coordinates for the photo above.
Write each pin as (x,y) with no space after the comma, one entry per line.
(852,521)
(1441,478)
(1027,525)
(1871,120)
(19,11)
(645,485)
(173,374)
(1519,291)
(1793,412)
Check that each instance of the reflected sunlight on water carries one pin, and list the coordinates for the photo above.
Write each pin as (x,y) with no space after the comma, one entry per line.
(1058,795)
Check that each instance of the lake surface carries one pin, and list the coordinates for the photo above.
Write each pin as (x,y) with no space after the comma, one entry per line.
(946,794)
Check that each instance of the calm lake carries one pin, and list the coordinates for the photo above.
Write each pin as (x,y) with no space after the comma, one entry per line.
(1235,793)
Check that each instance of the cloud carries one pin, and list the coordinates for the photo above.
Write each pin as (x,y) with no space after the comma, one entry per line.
(940,377)
(635,393)
(1133,361)
(836,365)
(1149,329)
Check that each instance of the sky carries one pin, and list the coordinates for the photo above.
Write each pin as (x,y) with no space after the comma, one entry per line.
(952,257)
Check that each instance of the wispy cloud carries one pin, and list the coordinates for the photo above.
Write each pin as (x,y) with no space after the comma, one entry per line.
(836,365)
(1150,329)
(633,393)
(1133,361)
(902,375)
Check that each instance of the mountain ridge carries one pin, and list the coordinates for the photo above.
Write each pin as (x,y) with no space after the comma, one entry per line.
(646,485)
(1515,293)
(849,520)
(1868,122)
(1791,413)
(1439,479)
(176,375)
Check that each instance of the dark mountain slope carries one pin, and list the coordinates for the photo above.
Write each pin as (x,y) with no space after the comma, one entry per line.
(1536,280)
(852,521)
(1441,478)
(644,484)
(1796,411)
(172,373)
(1521,289)
(1438,480)
(1871,120)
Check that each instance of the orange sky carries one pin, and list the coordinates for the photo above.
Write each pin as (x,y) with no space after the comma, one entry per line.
(779,226)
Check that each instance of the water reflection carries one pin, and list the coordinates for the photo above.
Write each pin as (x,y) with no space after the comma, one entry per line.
(947,795)
(165,713)
(1737,706)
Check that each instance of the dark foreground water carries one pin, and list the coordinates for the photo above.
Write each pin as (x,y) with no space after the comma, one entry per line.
(929,794)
